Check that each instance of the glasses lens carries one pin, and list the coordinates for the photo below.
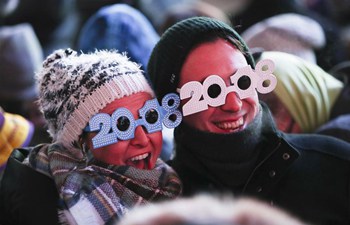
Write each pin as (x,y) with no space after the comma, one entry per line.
(214,90)
(244,82)
(151,116)
(172,117)
(171,102)
(123,123)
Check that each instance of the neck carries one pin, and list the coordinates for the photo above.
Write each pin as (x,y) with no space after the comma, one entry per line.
(225,159)
(233,147)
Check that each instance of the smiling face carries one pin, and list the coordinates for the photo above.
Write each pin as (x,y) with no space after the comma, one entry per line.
(220,58)
(142,151)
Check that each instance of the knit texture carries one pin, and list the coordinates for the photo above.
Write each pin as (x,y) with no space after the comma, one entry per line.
(175,44)
(232,162)
(75,87)
(97,193)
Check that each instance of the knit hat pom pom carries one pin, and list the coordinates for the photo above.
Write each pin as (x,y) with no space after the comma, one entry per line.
(57,55)
(54,58)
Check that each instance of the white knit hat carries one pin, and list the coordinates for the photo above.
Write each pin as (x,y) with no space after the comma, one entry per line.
(73,88)
(292,33)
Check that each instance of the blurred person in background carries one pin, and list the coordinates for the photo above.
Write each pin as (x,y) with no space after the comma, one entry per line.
(290,32)
(21,55)
(209,210)
(45,17)
(156,10)
(120,27)
(334,50)
(15,132)
(186,10)
(306,97)
(304,90)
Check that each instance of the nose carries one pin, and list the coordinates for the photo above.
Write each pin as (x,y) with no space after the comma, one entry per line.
(233,103)
(140,138)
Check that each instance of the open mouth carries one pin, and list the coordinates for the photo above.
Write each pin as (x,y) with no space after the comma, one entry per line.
(140,161)
(231,126)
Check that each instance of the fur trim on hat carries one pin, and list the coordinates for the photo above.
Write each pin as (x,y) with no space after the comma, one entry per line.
(73,88)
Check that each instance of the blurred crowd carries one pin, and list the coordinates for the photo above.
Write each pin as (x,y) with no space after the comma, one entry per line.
(309,41)
(315,30)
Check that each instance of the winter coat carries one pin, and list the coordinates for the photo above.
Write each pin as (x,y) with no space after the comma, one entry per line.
(30,194)
(338,127)
(308,175)
(25,192)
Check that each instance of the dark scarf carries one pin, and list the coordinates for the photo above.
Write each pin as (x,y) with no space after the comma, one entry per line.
(226,160)
(97,193)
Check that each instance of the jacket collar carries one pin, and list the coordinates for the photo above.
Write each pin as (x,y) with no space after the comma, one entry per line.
(271,169)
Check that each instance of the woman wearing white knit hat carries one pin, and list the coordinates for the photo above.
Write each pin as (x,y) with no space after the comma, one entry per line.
(106,127)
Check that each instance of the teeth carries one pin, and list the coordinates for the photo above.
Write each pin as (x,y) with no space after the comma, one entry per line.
(231,125)
(139,157)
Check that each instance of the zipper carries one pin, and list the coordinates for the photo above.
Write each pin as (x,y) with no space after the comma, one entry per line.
(262,162)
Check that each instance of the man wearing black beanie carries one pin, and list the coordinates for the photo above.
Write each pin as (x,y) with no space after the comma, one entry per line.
(228,141)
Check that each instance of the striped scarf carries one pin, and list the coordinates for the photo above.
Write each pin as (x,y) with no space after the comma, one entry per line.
(97,193)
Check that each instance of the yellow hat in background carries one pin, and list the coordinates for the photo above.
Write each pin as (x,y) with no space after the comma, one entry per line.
(15,131)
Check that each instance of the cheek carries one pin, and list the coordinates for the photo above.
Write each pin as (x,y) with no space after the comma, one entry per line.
(157,142)
(112,154)
(251,107)
(192,119)
(253,103)
(99,154)
(201,120)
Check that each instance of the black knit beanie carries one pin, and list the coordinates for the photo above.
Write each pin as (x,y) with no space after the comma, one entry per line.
(175,44)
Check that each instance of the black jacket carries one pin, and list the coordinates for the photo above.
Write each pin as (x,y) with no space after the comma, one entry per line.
(24,191)
(308,175)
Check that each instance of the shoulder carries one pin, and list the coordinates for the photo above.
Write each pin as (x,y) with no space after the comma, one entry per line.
(19,176)
(338,127)
(27,195)
(319,144)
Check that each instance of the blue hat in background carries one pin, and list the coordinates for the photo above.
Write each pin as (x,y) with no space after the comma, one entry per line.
(120,27)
